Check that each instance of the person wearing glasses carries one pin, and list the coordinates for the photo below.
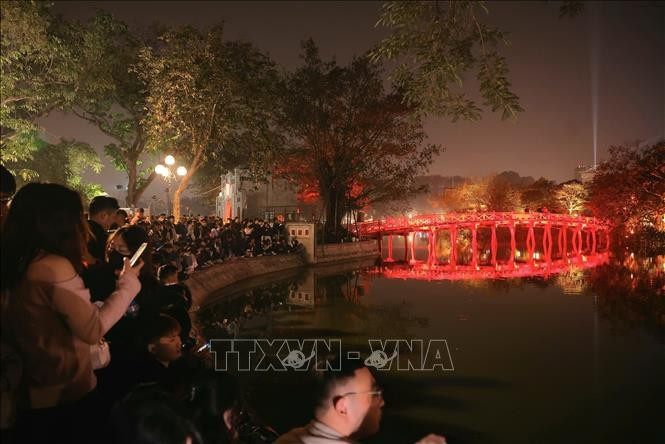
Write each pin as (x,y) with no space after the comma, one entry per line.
(348,408)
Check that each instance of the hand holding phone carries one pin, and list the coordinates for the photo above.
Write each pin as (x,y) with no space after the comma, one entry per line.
(138,254)
(204,347)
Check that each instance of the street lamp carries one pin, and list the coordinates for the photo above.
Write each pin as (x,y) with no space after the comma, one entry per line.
(168,175)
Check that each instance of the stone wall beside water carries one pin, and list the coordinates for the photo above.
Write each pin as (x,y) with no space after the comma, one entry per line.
(329,253)
(208,282)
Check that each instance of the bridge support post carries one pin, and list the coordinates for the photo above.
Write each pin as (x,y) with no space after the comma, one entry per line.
(406,247)
(453,246)
(390,249)
(578,240)
(547,241)
(531,242)
(493,246)
(412,235)
(431,248)
(513,243)
(474,245)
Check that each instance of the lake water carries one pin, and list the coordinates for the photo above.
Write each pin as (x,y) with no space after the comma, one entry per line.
(572,356)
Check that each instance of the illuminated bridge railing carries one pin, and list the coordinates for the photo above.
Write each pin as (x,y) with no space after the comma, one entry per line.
(398,225)
(585,234)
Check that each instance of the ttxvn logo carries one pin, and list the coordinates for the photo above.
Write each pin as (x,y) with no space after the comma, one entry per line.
(262,355)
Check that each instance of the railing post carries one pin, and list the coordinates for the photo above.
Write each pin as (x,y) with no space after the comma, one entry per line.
(406,247)
(531,243)
(547,241)
(431,247)
(390,249)
(513,243)
(474,245)
(493,246)
(412,235)
(453,245)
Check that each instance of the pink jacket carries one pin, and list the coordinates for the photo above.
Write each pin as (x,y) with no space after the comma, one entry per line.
(54,323)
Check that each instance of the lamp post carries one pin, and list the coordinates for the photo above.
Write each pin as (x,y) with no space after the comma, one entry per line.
(167,173)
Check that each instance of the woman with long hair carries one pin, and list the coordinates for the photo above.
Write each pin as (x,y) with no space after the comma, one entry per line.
(124,243)
(51,319)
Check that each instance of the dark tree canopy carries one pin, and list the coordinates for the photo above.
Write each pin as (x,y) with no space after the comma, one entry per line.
(629,187)
(348,141)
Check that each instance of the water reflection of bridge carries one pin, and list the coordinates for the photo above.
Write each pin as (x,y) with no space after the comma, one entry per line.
(455,272)
(586,236)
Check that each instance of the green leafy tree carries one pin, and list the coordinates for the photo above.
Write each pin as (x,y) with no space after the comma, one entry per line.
(436,44)
(119,114)
(348,141)
(72,159)
(46,64)
(206,97)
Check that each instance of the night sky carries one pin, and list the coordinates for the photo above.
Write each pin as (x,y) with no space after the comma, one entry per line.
(551,62)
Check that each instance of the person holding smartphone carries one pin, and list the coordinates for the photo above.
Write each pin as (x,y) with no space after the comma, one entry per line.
(52,321)
(124,243)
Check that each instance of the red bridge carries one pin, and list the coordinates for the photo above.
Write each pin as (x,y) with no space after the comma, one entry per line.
(586,235)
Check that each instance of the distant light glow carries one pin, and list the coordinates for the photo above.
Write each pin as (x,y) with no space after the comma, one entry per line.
(594,80)
(170,160)
(181,171)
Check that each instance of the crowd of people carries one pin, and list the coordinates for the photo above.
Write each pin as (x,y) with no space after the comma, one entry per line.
(96,348)
(195,242)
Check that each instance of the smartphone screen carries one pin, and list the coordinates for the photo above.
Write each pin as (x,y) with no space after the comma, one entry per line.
(138,254)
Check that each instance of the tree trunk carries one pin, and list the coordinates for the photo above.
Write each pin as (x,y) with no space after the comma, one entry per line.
(335,204)
(182,186)
(131,183)
(135,187)
(144,185)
